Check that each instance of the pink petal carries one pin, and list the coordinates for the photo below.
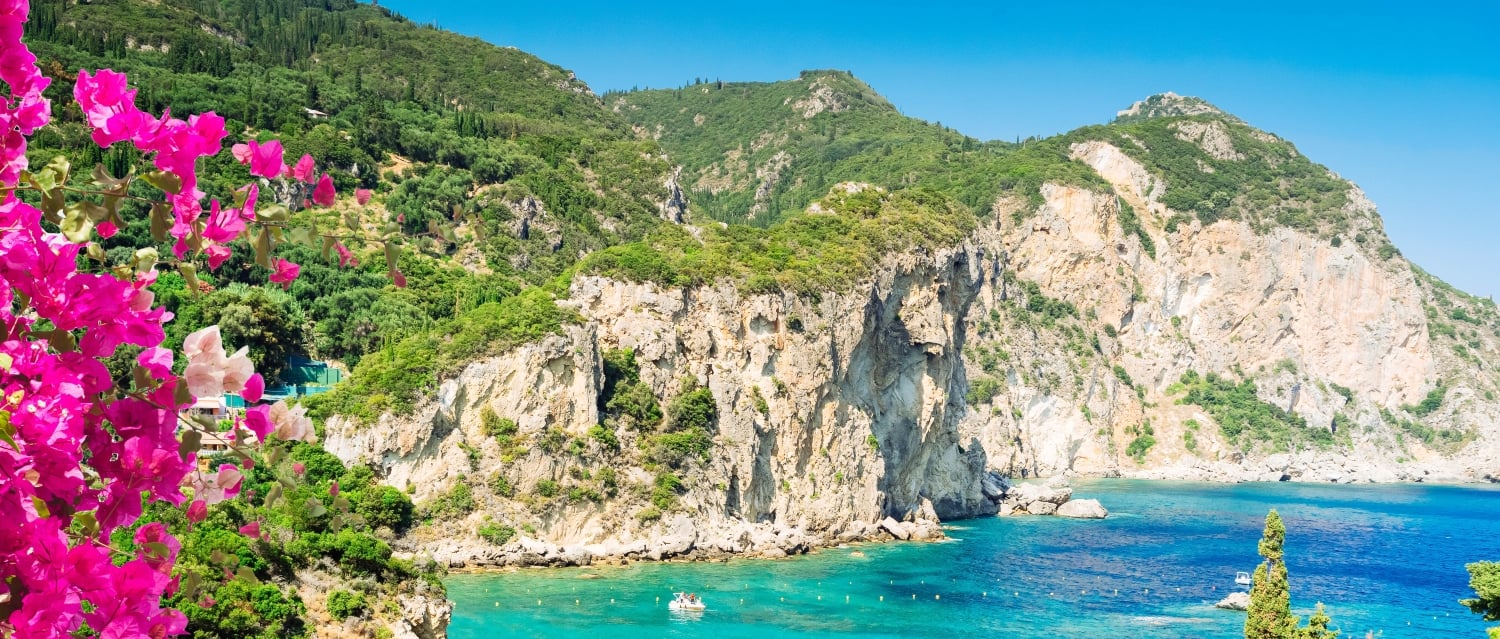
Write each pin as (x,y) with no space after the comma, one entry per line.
(251,529)
(362,196)
(254,388)
(324,194)
(197,511)
(304,169)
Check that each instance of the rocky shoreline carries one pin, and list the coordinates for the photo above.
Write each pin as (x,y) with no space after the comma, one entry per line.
(1311,467)
(682,539)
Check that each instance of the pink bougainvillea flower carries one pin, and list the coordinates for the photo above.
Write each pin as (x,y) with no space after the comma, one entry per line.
(254,388)
(241,152)
(257,420)
(292,424)
(106,229)
(267,159)
(210,372)
(252,193)
(197,511)
(323,193)
(157,361)
(217,254)
(303,171)
(251,529)
(346,258)
(224,225)
(217,487)
(299,468)
(333,488)
(362,196)
(285,273)
(109,106)
(398,278)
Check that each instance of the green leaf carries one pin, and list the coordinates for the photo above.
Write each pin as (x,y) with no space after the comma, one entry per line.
(262,246)
(328,244)
(76,224)
(87,523)
(157,549)
(60,340)
(161,221)
(392,252)
(181,395)
(189,276)
(192,442)
(274,214)
(103,178)
(246,575)
(145,259)
(167,181)
(273,494)
(189,585)
(60,167)
(7,431)
(41,507)
(301,235)
(141,378)
(315,508)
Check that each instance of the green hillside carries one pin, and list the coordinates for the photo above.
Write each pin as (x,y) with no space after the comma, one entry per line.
(756,152)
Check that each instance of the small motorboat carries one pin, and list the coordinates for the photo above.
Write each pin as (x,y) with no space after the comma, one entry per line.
(1242,578)
(685,602)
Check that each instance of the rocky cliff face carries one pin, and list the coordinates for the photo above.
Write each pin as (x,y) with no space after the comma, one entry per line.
(1326,330)
(832,415)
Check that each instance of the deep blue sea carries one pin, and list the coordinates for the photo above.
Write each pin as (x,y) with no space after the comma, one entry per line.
(1387,559)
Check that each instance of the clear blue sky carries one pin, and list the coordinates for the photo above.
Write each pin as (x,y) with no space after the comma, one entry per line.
(1401,97)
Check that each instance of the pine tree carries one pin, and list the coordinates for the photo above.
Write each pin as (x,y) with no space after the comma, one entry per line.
(1484,578)
(1317,625)
(1270,613)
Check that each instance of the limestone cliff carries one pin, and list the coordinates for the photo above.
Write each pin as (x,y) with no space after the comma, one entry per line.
(833,415)
(1329,331)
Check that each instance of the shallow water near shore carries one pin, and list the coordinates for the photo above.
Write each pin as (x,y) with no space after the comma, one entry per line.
(1383,558)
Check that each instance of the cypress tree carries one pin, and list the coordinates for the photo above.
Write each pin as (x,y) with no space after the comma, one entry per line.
(1270,612)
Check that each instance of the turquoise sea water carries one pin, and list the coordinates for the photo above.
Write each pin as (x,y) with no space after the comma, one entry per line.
(1383,558)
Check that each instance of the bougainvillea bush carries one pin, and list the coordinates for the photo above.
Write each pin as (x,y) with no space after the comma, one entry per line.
(82,451)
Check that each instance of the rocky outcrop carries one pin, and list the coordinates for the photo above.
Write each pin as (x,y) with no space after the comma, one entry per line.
(1053,497)
(1082,509)
(857,420)
(422,618)
(1329,331)
(1235,601)
(674,209)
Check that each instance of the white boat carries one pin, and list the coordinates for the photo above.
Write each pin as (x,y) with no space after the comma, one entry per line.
(683,602)
(1242,578)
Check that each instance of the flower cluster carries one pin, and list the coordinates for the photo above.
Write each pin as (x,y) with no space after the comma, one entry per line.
(79,455)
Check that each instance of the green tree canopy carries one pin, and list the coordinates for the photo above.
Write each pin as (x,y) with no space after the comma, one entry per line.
(1484,578)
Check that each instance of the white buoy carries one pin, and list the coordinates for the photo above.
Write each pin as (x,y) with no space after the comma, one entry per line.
(936,597)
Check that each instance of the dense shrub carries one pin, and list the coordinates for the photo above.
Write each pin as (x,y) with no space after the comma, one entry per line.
(343,604)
